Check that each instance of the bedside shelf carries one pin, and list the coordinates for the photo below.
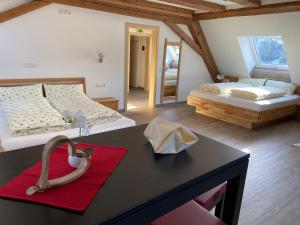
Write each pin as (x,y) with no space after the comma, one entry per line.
(109,102)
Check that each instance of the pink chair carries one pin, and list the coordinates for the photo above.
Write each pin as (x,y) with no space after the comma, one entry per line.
(213,198)
(189,214)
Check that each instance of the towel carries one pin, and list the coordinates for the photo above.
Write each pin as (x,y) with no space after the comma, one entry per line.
(168,137)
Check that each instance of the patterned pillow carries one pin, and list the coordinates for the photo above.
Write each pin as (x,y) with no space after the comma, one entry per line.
(63,90)
(21,92)
(288,88)
(252,81)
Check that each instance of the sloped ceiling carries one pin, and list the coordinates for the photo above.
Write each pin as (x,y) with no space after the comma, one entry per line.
(9,4)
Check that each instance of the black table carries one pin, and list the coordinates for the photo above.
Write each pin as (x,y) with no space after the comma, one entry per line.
(144,186)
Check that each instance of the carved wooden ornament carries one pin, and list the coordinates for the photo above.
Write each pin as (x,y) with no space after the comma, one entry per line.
(44,183)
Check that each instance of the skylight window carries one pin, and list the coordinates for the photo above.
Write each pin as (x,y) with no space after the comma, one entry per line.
(270,51)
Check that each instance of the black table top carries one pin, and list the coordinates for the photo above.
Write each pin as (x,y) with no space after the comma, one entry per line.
(140,178)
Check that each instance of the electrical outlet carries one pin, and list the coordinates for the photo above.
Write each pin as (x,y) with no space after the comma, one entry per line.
(99,84)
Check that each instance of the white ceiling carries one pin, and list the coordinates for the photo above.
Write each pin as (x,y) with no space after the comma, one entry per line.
(8,4)
(221,2)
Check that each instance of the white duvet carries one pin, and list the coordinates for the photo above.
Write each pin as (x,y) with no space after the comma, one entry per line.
(222,88)
(257,93)
(95,112)
(32,116)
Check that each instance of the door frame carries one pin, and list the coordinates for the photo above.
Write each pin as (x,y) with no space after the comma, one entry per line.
(153,59)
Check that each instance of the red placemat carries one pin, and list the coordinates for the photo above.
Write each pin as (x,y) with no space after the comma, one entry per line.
(74,196)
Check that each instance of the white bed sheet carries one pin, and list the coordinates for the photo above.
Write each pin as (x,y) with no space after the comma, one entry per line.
(170,83)
(258,106)
(10,142)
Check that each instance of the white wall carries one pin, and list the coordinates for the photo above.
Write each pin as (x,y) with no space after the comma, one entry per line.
(45,43)
(248,53)
(222,38)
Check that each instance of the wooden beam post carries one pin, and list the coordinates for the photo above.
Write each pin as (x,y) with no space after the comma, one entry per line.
(21,10)
(177,30)
(199,38)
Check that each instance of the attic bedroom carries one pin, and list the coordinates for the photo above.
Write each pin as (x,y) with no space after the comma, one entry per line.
(149,112)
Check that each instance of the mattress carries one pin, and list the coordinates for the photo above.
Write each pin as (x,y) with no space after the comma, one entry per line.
(258,106)
(10,142)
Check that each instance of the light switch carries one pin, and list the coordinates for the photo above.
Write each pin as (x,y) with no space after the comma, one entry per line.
(99,84)
(30,65)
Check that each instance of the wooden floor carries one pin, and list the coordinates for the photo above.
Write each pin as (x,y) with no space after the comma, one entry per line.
(137,98)
(272,192)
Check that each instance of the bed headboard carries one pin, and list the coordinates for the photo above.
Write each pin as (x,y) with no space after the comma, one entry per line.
(20,82)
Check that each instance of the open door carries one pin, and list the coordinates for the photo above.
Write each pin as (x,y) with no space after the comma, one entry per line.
(141,66)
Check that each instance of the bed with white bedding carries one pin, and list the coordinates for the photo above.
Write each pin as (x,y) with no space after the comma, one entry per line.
(258,106)
(222,88)
(250,107)
(10,142)
(27,118)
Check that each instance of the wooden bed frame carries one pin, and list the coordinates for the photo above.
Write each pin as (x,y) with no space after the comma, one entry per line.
(22,82)
(240,116)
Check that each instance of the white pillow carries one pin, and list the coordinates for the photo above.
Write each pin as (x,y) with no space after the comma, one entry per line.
(252,81)
(21,92)
(288,88)
(63,90)
(257,93)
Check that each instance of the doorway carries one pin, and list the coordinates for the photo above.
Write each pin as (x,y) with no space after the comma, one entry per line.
(141,64)
(138,95)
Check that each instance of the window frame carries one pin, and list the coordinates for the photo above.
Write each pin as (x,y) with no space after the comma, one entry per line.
(262,65)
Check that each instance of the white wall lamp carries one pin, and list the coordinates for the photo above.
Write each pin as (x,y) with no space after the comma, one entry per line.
(220,77)
(100,57)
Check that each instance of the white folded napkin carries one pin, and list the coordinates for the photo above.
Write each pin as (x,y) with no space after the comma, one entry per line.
(168,137)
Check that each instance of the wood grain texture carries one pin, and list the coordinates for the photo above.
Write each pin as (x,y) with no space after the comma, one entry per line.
(21,10)
(198,4)
(29,81)
(109,102)
(137,8)
(186,38)
(199,38)
(252,11)
(231,78)
(272,191)
(240,116)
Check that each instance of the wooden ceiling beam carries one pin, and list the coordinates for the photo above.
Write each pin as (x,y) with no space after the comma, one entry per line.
(145,5)
(198,4)
(186,38)
(199,37)
(137,8)
(250,3)
(253,11)
(21,10)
